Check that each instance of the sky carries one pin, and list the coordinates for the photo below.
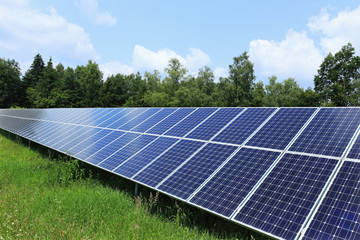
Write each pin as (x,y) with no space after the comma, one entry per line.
(283,38)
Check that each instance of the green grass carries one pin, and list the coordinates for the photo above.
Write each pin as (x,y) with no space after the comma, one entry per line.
(53,197)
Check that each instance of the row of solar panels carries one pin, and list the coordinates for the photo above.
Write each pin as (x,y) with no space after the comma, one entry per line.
(266,168)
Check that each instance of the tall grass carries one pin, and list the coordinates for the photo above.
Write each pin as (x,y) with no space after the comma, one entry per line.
(49,196)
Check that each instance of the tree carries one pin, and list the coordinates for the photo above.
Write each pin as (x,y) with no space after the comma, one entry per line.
(241,75)
(114,92)
(31,78)
(90,81)
(337,76)
(259,95)
(176,73)
(10,83)
(43,95)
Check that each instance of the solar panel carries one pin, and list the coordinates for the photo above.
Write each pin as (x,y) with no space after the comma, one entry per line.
(242,127)
(190,122)
(339,214)
(194,172)
(290,173)
(329,132)
(165,164)
(282,202)
(171,121)
(231,184)
(125,152)
(153,120)
(281,128)
(355,150)
(145,157)
(215,122)
(114,142)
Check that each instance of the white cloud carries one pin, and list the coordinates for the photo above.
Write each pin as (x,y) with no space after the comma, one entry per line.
(295,56)
(26,31)
(337,31)
(146,59)
(115,67)
(90,9)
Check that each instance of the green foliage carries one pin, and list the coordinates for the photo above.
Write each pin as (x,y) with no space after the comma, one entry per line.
(337,84)
(90,81)
(10,83)
(337,78)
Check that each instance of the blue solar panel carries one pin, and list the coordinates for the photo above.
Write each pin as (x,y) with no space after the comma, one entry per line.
(190,176)
(338,216)
(164,165)
(283,201)
(141,159)
(190,122)
(124,153)
(228,187)
(100,117)
(62,130)
(355,149)
(155,119)
(120,117)
(329,132)
(139,119)
(273,192)
(281,128)
(216,122)
(95,143)
(90,140)
(77,130)
(113,145)
(171,121)
(240,129)
(80,138)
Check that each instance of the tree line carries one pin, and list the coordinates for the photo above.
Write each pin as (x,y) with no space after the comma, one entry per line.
(47,86)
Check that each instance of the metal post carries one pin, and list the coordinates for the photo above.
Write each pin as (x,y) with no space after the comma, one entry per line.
(136,189)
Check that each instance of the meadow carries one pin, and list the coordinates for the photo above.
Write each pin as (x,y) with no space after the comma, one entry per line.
(45,195)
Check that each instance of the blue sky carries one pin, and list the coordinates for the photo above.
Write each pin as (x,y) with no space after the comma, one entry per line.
(283,38)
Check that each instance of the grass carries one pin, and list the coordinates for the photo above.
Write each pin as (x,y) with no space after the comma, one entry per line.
(44,196)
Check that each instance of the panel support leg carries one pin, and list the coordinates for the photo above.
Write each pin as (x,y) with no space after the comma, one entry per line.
(136,189)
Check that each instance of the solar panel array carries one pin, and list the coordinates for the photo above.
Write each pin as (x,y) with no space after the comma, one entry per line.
(291,173)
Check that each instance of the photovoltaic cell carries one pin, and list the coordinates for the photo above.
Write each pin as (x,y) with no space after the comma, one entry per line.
(124,153)
(77,130)
(212,125)
(117,119)
(240,129)
(76,150)
(281,128)
(80,138)
(164,165)
(144,157)
(228,187)
(355,149)
(329,132)
(113,145)
(338,216)
(152,121)
(282,202)
(139,119)
(190,122)
(97,142)
(190,176)
(171,121)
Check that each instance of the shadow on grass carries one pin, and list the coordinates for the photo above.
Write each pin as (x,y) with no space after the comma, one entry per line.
(155,203)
